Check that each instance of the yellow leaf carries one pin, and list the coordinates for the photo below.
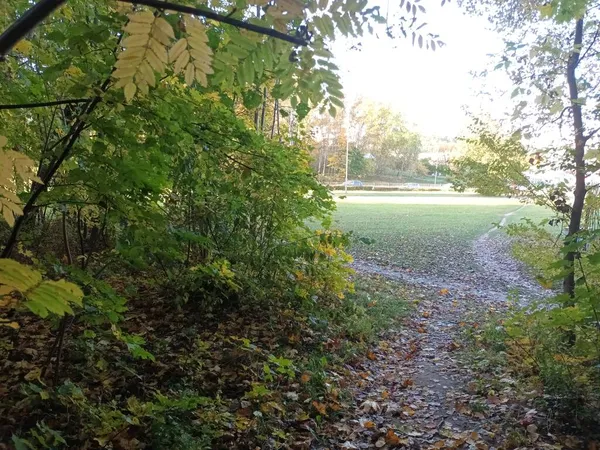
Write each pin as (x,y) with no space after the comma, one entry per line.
(201,54)
(147,73)
(13,325)
(143,88)
(125,72)
(181,62)
(160,36)
(159,50)
(135,40)
(198,40)
(444,291)
(177,49)
(16,209)
(194,26)
(137,28)
(8,216)
(201,78)
(130,89)
(155,61)
(141,17)
(24,47)
(165,27)
(189,74)
(9,195)
(123,82)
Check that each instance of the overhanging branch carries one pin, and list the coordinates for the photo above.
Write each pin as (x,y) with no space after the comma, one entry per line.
(36,14)
(42,104)
(24,24)
(219,18)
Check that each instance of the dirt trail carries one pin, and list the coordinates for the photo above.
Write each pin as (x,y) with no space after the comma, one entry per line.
(412,391)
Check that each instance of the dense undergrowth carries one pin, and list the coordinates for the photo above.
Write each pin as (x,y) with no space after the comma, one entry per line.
(265,376)
(163,289)
(210,311)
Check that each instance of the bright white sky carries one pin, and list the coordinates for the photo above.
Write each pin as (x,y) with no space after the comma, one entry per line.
(429,88)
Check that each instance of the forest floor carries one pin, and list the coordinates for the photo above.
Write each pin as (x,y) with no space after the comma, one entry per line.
(419,387)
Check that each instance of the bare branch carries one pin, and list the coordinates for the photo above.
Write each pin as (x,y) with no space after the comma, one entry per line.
(591,134)
(27,22)
(43,104)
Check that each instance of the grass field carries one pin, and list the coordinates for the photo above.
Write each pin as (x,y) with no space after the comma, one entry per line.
(424,231)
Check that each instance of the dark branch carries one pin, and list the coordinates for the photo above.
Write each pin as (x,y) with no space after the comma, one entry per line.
(591,134)
(41,10)
(42,104)
(24,24)
(219,18)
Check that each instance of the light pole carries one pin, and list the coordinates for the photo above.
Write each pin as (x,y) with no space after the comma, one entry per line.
(347,148)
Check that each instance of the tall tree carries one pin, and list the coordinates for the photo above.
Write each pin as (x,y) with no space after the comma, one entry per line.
(550,56)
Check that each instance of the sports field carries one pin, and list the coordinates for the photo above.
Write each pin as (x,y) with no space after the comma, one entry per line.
(422,231)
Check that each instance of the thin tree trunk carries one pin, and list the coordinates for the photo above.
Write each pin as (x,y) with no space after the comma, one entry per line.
(579,159)
(264,107)
(275,111)
(36,189)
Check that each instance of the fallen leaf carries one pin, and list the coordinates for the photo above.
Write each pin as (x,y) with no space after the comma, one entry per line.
(370,406)
(391,438)
(320,407)
(368,424)
(408,411)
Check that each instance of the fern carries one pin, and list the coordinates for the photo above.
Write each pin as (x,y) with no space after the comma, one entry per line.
(13,166)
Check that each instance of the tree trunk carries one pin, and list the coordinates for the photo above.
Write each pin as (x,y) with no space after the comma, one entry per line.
(579,159)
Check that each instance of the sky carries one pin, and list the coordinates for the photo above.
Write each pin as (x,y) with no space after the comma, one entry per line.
(429,88)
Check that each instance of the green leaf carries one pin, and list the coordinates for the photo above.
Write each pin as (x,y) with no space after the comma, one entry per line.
(18,276)
(41,297)
(252,99)
(22,444)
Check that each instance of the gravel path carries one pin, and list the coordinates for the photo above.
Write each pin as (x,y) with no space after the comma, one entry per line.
(496,277)
(412,392)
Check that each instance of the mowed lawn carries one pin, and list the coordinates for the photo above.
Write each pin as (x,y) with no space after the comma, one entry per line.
(422,231)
